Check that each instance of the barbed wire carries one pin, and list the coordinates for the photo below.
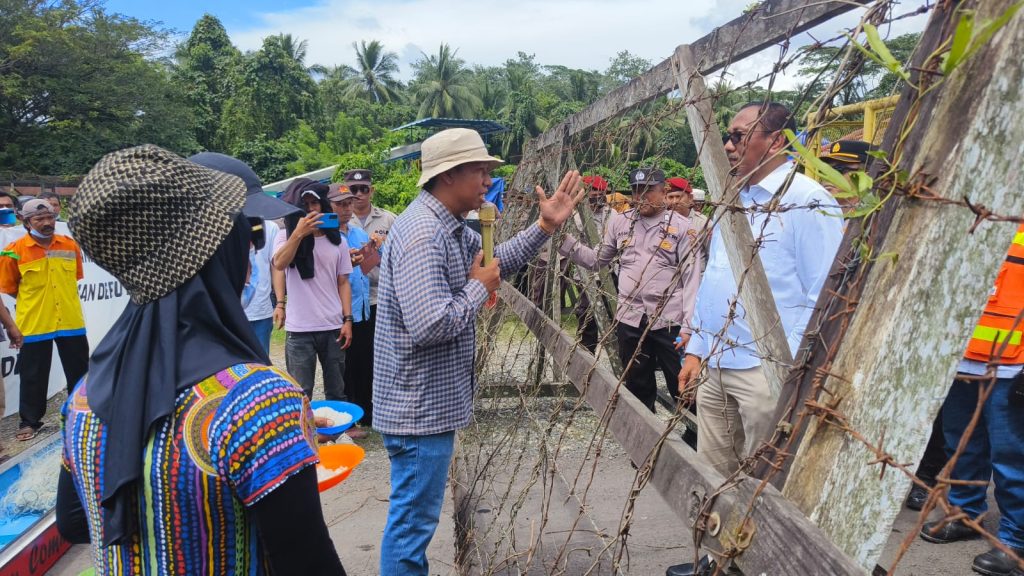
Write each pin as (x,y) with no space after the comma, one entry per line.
(525,459)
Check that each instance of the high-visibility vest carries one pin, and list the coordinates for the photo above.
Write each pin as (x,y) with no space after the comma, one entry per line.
(1004,305)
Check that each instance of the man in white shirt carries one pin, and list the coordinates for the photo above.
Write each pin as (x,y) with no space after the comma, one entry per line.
(799,243)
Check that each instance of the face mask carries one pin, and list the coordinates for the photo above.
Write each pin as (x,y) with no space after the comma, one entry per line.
(37,234)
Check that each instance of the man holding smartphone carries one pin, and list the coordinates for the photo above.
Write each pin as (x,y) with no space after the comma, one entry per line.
(315,259)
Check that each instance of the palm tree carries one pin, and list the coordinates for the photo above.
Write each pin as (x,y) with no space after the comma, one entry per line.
(374,74)
(443,89)
(295,48)
(521,113)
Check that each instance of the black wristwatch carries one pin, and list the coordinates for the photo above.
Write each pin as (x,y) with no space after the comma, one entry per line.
(348,318)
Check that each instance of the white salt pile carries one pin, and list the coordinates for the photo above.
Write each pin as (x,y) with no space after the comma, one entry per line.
(323,474)
(336,418)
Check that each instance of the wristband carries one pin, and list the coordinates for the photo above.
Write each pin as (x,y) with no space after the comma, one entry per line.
(348,318)
(540,224)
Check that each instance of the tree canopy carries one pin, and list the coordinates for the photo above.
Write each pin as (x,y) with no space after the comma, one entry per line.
(77,82)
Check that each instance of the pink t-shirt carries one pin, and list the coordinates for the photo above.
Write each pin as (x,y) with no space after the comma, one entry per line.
(314,304)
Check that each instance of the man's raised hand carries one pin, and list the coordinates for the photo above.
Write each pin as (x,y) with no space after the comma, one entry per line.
(557,209)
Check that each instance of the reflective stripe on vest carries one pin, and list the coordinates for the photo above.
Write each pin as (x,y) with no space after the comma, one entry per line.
(996,335)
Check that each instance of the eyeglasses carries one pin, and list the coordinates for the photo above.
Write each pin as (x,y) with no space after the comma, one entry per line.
(359,189)
(737,136)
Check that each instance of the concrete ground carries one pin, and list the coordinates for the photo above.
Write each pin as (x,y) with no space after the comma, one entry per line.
(356,511)
(552,534)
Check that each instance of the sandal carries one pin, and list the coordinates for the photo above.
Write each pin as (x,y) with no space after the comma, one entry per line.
(26,433)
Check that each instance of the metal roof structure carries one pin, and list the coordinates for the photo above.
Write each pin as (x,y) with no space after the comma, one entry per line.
(486,129)
(322,175)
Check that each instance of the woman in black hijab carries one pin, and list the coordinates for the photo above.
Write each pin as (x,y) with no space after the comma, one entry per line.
(295,194)
(166,440)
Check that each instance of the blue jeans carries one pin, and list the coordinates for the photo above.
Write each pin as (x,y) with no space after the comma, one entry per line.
(995,450)
(263,328)
(419,473)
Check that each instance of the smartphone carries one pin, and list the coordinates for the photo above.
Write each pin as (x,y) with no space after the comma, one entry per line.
(328,220)
(7,217)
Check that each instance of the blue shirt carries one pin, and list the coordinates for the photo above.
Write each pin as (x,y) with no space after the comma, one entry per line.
(799,243)
(356,239)
(423,378)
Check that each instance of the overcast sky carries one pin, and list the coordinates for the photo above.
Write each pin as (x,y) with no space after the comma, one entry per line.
(575,33)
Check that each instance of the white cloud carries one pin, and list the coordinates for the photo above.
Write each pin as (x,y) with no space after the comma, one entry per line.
(576,33)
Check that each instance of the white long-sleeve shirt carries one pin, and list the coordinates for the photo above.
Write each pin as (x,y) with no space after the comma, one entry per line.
(799,244)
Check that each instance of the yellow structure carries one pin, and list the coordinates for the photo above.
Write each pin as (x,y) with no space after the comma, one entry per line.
(865,121)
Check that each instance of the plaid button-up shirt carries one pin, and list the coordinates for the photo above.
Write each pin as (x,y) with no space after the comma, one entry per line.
(423,379)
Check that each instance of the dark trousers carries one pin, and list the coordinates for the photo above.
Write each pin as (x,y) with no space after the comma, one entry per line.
(34,362)
(656,351)
(359,366)
(301,351)
(586,325)
(934,454)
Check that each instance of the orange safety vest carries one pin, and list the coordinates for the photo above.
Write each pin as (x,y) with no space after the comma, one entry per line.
(1004,305)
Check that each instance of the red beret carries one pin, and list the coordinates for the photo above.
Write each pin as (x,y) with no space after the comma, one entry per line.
(596,182)
(679,184)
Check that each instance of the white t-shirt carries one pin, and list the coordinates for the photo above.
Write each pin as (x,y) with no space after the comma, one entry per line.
(260,307)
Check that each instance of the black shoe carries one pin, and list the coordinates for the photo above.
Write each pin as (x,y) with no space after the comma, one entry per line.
(952,532)
(705,567)
(995,562)
(917,497)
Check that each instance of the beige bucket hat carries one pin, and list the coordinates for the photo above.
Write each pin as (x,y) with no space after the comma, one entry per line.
(450,148)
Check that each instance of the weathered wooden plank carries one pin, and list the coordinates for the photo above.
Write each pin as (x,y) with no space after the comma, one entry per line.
(785,542)
(828,324)
(772,22)
(733,225)
(897,360)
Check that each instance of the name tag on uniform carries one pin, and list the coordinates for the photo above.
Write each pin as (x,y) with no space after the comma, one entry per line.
(673,230)
(666,245)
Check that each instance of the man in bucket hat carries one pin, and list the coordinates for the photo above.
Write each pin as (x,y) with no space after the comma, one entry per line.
(431,287)
(41,270)
(181,411)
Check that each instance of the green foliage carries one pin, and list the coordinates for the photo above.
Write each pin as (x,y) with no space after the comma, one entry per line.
(880,53)
(626,66)
(274,93)
(76,83)
(269,158)
(374,77)
(206,64)
(442,86)
(968,38)
(874,80)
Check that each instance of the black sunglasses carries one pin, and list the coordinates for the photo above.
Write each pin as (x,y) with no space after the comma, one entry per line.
(359,189)
(737,136)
